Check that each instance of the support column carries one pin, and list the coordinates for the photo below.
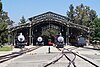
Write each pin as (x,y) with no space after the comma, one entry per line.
(67,35)
(9,37)
(30,35)
(13,36)
(30,31)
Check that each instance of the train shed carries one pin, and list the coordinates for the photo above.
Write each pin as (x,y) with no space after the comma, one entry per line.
(48,24)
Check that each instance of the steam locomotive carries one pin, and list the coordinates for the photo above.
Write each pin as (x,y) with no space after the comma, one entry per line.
(40,41)
(59,41)
(79,42)
(20,41)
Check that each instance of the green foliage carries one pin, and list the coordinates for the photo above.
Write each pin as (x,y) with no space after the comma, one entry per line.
(82,15)
(50,30)
(71,13)
(96,26)
(3,30)
(4,24)
(22,20)
(0,6)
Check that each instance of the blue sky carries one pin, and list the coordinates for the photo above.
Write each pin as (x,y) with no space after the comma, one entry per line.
(28,8)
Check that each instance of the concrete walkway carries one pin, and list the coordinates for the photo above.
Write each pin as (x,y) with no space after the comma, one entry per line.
(40,56)
(33,58)
(45,49)
(89,53)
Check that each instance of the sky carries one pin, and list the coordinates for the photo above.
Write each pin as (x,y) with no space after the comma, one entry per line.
(29,8)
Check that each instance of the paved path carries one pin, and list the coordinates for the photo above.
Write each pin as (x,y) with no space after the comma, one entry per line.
(35,58)
(89,53)
(40,57)
(93,55)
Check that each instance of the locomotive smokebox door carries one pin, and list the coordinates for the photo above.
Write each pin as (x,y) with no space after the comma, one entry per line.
(21,38)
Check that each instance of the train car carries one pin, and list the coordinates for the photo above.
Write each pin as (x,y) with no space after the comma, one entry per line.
(59,41)
(40,41)
(20,41)
(78,41)
(81,42)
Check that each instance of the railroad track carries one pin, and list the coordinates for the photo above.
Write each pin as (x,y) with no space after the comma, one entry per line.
(57,58)
(16,54)
(71,61)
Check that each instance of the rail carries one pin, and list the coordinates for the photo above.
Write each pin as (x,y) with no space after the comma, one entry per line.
(71,61)
(16,54)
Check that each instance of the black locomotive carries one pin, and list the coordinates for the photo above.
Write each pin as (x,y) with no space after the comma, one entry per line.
(20,41)
(59,41)
(40,41)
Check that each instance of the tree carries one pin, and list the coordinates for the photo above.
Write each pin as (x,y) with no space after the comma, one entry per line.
(0,6)
(50,31)
(82,15)
(3,28)
(71,12)
(96,26)
(4,22)
(22,20)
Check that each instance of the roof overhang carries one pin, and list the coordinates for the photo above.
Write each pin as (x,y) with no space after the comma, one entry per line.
(50,16)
